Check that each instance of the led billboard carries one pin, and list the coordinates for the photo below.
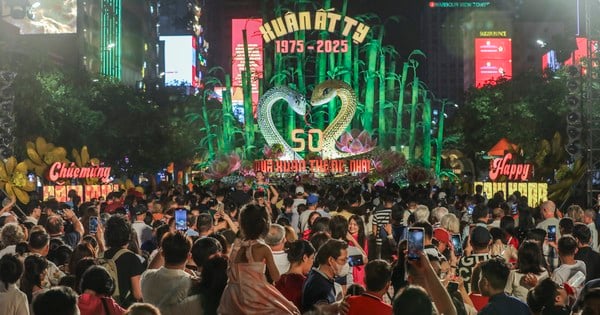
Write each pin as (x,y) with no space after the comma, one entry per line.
(180,60)
(493,59)
(255,54)
(41,17)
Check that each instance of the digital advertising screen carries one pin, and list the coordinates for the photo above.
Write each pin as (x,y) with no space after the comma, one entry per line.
(180,60)
(41,17)
(493,59)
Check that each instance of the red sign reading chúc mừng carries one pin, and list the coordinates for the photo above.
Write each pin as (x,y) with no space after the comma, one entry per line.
(61,170)
(501,167)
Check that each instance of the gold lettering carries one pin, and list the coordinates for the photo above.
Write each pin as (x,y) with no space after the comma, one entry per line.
(320,20)
(304,18)
(278,26)
(267,32)
(349,23)
(299,140)
(360,33)
(291,22)
(333,19)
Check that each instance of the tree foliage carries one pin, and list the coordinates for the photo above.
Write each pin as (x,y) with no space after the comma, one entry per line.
(121,126)
(526,109)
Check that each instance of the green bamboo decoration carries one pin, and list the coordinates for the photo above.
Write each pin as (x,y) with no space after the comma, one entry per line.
(400,107)
(391,81)
(207,126)
(372,54)
(426,131)
(382,102)
(332,106)
(355,77)
(227,117)
(247,91)
(413,112)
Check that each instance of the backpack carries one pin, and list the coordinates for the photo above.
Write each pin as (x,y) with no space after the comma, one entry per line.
(110,265)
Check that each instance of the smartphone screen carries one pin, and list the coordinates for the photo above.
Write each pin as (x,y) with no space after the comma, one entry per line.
(470,209)
(93,224)
(457,243)
(452,287)
(514,208)
(415,242)
(355,260)
(552,233)
(181,219)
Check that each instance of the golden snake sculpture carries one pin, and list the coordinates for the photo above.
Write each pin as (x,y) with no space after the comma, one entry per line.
(323,94)
(297,103)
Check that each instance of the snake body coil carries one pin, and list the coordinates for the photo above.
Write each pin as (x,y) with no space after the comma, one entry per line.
(265,119)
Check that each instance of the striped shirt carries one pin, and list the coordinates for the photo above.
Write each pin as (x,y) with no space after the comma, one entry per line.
(380,219)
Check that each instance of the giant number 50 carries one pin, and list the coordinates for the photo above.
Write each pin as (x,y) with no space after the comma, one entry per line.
(302,142)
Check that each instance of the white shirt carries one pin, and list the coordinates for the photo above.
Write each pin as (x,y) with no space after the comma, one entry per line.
(165,287)
(281,261)
(13,301)
(143,231)
(594,238)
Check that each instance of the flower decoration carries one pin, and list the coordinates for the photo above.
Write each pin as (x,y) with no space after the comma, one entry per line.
(14,180)
(356,142)
(82,159)
(388,162)
(223,165)
(42,154)
(273,152)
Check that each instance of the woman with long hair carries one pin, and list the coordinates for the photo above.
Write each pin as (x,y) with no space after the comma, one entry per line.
(248,290)
(301,255)
(529,266)
(358,240)
(36,267)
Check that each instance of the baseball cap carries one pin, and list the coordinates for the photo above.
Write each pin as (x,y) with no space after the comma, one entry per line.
(312,199)
(299,190)
(480,235)
(441,235)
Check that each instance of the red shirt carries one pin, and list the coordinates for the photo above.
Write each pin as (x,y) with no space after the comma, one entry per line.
(290,285)
(368,304)
(479,300)
(92,304)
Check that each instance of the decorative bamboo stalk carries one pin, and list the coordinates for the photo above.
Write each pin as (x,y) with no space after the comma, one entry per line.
(382,116)
(413,115)
(372,53)
(227,117)
(400,107)
(211,150)
(426,131)
(247,91)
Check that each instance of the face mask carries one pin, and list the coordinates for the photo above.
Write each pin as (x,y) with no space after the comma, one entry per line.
(343,271)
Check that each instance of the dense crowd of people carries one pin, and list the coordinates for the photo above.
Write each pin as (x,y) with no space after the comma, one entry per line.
(261,248)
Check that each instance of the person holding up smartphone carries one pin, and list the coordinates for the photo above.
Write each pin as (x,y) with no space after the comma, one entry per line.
(421,275)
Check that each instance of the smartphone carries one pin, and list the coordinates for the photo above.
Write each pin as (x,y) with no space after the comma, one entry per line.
(181,219)
(457,243)
(552,233)
(470,209)
(355,260)
(415,242)
(93,224)
(452,287)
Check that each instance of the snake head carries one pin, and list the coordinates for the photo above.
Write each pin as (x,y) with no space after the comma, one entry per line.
(324,93)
